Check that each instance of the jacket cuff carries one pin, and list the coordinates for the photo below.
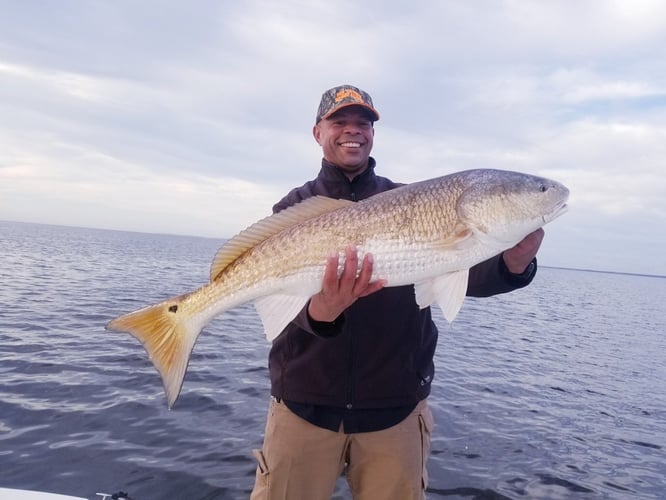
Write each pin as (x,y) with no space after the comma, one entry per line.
(326,329)
(519,280)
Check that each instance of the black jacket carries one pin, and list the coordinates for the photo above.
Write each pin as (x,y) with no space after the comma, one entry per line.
(379,353)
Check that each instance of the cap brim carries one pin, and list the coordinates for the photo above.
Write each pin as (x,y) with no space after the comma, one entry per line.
(372,110)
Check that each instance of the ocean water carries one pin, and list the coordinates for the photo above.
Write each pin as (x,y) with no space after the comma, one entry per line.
(556,391)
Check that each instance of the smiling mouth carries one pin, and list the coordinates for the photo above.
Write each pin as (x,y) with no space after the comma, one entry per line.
(350,144)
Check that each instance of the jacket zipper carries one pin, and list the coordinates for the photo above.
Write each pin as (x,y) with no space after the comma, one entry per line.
(350,373)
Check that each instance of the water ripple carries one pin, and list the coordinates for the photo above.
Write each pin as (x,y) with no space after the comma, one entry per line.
(554,391)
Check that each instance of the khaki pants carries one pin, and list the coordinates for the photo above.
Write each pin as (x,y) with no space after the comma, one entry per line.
(300,461)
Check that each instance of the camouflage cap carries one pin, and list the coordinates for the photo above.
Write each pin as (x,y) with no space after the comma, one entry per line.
(342,96)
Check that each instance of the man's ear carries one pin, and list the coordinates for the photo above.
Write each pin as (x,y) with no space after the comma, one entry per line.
(316,132)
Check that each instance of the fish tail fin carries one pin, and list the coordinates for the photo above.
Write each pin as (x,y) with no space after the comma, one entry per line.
(168,334)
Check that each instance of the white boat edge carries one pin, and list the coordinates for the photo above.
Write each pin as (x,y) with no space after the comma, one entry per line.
(12,494)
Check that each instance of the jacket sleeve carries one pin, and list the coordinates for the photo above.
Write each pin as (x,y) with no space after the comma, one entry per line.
(492,277)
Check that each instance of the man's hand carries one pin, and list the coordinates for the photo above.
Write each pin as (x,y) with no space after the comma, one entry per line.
(518,258)
(337,294)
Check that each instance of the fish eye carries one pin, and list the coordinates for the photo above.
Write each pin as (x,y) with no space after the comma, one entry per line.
(543,188)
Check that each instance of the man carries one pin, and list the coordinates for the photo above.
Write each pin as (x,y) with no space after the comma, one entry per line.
(351,373)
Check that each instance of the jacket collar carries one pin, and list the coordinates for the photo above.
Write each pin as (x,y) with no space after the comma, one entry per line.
(332,173)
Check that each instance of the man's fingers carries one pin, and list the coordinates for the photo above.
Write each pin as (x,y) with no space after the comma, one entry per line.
(350,268)
(518,257)
(351,279)
(373,287)
(364,276)
(330,282)
(339,292)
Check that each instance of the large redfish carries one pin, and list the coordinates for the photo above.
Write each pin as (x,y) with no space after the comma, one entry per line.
(428,234)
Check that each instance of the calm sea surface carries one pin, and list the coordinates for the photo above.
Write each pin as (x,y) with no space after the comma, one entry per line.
(554,391)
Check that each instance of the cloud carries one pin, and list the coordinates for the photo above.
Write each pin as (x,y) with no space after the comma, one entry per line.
(195,118)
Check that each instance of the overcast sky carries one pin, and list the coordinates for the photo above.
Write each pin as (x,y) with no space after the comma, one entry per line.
(195,117)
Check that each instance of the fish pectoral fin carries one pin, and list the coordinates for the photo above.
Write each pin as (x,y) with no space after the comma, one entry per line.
(276,311)
(425,295)
(168,334)
(448,291)
(459,239)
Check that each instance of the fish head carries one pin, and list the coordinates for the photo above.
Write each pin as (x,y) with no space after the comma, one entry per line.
(506,206)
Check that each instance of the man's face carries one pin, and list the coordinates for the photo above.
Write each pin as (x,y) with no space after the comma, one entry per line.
(346,139)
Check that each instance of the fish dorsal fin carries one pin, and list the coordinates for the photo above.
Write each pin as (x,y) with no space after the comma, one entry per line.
(271,225)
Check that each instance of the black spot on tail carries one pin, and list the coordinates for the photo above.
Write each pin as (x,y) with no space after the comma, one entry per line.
(173,308)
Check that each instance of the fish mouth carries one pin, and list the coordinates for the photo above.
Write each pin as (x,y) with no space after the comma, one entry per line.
(559,210)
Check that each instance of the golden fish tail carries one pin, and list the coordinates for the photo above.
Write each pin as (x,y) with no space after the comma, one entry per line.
(168,334)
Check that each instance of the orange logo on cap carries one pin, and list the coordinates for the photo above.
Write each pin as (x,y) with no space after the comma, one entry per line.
(346,93)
